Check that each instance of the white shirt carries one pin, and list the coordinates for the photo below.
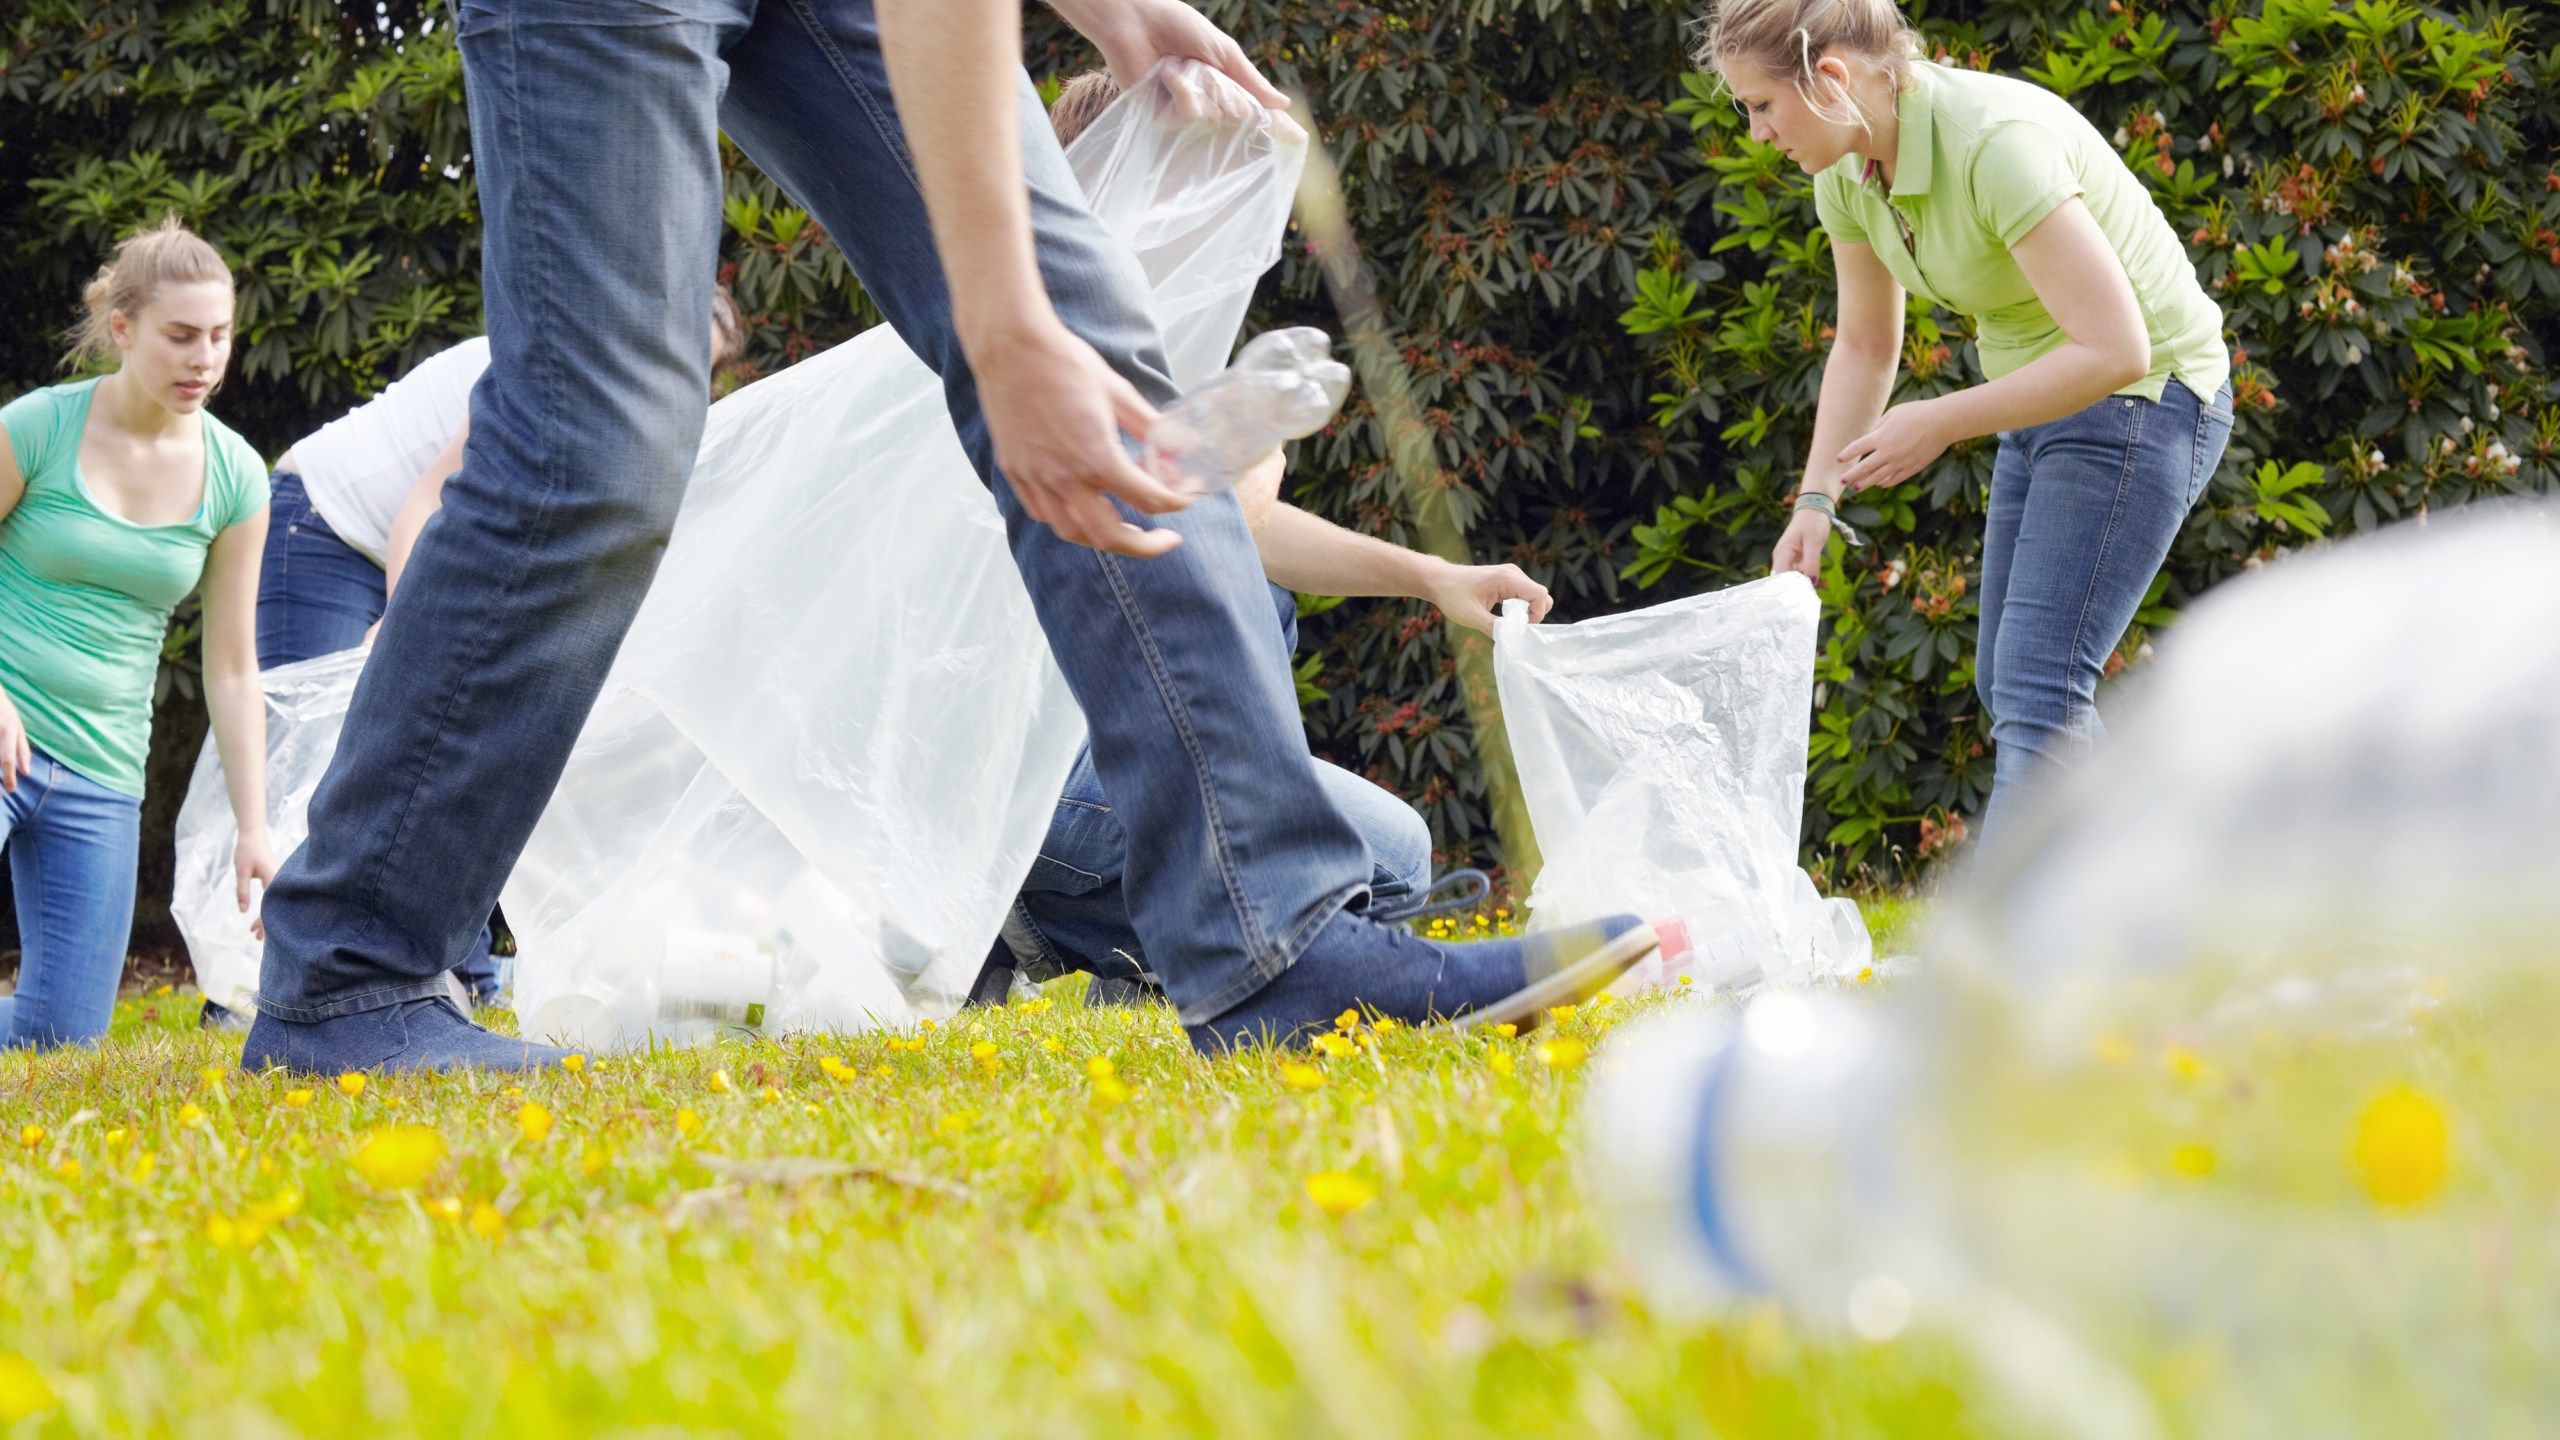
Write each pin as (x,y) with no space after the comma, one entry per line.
(359,467)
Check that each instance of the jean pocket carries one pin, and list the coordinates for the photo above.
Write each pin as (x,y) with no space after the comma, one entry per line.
(2214,419)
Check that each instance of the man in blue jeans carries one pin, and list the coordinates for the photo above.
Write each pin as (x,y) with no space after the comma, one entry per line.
(595,132)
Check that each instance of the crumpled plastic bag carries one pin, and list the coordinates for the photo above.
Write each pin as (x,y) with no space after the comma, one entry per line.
(306,704)
(832,744)
(1662,758)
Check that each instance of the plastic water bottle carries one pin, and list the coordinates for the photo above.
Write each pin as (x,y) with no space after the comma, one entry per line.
(2221,1105)
(1283,385)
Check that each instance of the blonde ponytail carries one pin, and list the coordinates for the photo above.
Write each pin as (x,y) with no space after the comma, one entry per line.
(1785,37)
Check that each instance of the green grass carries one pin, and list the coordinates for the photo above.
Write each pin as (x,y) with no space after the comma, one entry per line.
(922,1238)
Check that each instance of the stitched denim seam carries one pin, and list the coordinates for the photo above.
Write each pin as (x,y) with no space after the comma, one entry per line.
(1256,942)
(2135,413)
(890,133)
(379,998)
(1260,975)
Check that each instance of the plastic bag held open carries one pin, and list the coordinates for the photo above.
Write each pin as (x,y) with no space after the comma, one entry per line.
(1662,757)
(1286,384)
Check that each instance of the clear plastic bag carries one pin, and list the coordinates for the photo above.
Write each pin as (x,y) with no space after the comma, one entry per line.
(1284,385)
(835,735)
(306,703)
(1662,757)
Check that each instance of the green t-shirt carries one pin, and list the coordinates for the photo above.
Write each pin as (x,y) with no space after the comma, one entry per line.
(85,596)
(1981,161)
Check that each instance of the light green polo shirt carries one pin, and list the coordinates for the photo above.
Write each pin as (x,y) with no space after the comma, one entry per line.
(1981,161)
(85,595)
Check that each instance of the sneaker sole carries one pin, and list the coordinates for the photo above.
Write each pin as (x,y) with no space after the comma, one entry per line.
(1571,985)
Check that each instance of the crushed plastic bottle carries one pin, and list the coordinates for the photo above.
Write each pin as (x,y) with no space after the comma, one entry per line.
(1283,385)
(2221,1107)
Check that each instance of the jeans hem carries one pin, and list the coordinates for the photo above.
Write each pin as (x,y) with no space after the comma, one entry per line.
(379,998)
(1260,973)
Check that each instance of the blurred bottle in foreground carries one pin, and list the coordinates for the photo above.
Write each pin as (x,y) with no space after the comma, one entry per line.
(2221,1105)
(1283,385)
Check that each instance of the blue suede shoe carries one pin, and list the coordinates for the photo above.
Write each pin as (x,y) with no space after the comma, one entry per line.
(429,1034)
(1355,963)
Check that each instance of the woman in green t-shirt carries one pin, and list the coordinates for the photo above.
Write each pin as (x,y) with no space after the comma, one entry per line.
(2107,372)
(116,496)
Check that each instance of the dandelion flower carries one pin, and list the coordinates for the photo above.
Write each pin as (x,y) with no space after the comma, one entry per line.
(720,1082)
(1561,1013)
(351,1084)
(1684,980)
(69,1170)
(533,1122)
(1562,1053)
(1338,1194)
(688,1124)
(23,1390)
(1107,1091)
(881,1072)
(486,1222)
(1347,1020)
(298,1099)
(1051,1046)
(2400,1148)
(1506,1032)
(115,1137)
(575,1064)
(398,1157)
(1099,1067)
(1302,1077)
(772,1096)
(1384,1024)
(1334,1045)
(31,1136)
(190,1113)
(1499,1062)
(836,1070)
(211,1077)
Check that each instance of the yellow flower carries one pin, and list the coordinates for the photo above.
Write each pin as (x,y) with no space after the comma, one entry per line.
(1506,1032)
(445,1207)
(297,1098)
(878,1072)
(68,1170)
(984,1050)
(211,1077)
(115,1137)
(1338,1194)
(1684,979)
(926,1025)
(1051,1046)
(1500,1061)
(2192,1160)
(287,1201)
(533,1122)
(398,1157)
(224,1233)
(812,1111)
(351,1084)
(1347,1020)
(142,1168)
(513,1092)
(1561,1013)
(1603,998)
(772,1096)
(1107,1091)
(31,1136)
(575,1064)
(163,989)
(688,1123)
(1867,975)
(955,1122)
(2400,1148)
(1562,1053)
(1302,1077)
(190,1113)
(720,1082)
(2183,1062)
(23,1390)
(1334,1045)
(1384,1024)
(1099,1067)
(592,1159)
(486,1222)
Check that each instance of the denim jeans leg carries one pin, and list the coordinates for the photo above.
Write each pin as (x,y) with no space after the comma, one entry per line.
(317,594)
(595,140)
(1235,855)
(72,846)
(2098,499)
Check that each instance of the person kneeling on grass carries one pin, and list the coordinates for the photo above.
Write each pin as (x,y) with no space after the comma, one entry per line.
(1073,912)
(117,495)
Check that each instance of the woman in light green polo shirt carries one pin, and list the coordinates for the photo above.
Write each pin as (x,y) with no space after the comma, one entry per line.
(2107,373)
(116,496)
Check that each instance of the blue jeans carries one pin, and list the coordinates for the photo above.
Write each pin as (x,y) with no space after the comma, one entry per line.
(72,845)
(317,595)
(595,135)
(2083,510)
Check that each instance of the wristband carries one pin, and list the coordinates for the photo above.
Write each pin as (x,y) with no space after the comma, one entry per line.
(1816,500)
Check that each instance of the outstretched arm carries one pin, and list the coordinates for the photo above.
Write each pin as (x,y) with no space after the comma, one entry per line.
(1313,556)
(234,698)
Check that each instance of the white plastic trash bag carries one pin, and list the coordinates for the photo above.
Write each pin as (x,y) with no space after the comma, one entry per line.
(830,748)
(306,703)
(1662,757)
